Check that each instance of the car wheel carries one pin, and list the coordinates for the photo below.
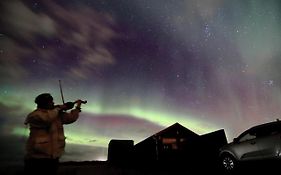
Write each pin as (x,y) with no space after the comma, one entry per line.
(229,163)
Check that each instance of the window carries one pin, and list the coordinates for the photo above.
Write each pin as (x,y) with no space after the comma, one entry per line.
(170,143)
(248,136)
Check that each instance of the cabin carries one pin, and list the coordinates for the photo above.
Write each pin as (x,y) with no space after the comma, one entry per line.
(166,145)
(175,145)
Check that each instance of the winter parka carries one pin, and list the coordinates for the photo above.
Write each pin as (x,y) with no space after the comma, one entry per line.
(46,137)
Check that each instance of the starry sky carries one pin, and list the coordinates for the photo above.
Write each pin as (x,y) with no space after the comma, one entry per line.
(142,65)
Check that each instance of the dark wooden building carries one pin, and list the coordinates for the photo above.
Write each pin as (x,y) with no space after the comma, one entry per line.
(179,145)
(173,146)
(166,145)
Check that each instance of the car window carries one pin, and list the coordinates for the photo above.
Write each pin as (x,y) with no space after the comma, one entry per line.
(268,130)
(265,131)
(248,136)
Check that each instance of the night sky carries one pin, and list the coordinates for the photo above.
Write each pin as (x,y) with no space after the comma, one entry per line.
(142,65)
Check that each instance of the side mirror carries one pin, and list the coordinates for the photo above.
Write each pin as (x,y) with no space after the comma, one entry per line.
(235,140)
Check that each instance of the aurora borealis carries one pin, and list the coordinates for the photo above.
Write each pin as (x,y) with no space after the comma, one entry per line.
(142,65)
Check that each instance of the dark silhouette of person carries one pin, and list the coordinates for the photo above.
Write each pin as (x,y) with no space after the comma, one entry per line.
(46,141)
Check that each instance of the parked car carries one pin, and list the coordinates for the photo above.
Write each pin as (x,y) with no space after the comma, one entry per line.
(260,142)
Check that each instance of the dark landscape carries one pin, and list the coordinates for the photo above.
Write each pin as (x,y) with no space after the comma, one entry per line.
(105,168)
(175,150)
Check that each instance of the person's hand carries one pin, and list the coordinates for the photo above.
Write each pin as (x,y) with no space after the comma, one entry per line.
(78,102)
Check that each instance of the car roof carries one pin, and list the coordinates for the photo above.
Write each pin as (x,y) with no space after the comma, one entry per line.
(265,125)
(262,126)
(274,123)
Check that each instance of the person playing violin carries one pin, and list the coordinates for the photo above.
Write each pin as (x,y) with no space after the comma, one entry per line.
(46,141)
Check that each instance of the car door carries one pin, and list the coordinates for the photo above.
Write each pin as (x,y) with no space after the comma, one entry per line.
(245,147)
(269,141)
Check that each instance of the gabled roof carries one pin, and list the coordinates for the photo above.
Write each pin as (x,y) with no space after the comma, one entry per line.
(176,129)
(172,131)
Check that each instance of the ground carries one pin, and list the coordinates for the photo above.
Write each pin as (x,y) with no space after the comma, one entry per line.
(106,168)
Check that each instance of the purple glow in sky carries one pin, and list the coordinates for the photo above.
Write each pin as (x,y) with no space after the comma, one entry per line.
(142,65)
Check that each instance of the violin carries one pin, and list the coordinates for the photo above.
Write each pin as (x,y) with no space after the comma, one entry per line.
(70,105)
